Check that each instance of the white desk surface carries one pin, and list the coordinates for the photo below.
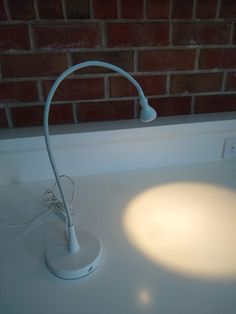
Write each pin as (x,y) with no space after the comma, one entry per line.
(127,281)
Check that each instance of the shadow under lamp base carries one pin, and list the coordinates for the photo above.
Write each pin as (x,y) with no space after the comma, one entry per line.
(75,265)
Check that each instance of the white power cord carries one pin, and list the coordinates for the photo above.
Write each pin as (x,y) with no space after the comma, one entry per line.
(52,202)
(36,220)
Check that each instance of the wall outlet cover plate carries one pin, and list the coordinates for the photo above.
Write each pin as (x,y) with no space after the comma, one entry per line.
(229,149)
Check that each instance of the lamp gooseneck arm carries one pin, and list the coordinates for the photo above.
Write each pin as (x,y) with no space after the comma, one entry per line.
(143,102)
(47,108)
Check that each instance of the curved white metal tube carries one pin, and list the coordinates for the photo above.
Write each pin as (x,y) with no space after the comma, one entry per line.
(148,115)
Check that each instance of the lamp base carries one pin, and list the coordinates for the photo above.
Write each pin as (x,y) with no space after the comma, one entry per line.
(68,265)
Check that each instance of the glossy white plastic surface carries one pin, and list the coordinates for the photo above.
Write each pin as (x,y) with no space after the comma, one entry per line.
(74,265)
(147,114)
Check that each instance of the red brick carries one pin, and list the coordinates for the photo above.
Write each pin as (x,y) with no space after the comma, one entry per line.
(15,37)
(77,9)
(164,60)
(22,10)
(33,64)
(157,9)
(3,15)
(234,39)
(216,103)
(61,114)
(200,33)
(50,9)
(76,89)
(67,36)
(228,8)
(131,9)
(3,118)
(122,59)
(206,9)
(27,116)
(231,81)
(171,106)
(194,83)
(33,115)
(103,9)
(142,34)
(182,9)
(18,91)
(103,111)
(218,58)
(151,85)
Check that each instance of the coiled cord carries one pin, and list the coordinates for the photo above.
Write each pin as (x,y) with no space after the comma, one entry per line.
(52,202)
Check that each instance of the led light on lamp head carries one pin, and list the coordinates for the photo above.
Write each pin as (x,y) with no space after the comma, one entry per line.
(147,113)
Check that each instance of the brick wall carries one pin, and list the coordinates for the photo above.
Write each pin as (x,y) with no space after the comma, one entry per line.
(183,53)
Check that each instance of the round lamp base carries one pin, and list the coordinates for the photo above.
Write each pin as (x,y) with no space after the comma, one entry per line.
(68,265)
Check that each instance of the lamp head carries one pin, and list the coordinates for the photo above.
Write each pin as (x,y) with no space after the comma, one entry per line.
(147,114)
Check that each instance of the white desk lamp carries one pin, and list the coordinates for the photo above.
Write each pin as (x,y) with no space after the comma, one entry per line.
(82,253)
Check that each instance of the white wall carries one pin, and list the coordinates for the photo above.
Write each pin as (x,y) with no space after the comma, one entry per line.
(25,159)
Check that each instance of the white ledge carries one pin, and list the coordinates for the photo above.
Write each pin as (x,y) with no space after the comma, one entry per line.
(114,146)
